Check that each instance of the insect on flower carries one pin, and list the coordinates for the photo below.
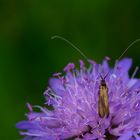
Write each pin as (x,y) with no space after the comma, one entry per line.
(103,105)
(96,103)
(103,101)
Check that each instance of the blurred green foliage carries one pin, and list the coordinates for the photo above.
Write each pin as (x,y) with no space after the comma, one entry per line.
(28,56)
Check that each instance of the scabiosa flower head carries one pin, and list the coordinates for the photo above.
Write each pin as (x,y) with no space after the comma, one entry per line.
(75,100)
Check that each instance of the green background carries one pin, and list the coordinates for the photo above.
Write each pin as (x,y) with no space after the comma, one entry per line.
(28,57)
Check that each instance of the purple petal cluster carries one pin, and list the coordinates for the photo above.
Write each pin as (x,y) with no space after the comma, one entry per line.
(74,98)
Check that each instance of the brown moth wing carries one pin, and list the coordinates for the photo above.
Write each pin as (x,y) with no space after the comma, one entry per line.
(103,107)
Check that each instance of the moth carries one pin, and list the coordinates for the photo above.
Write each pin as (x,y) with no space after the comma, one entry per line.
(103,103)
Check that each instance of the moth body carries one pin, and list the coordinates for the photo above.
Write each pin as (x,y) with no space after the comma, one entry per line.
(103,105)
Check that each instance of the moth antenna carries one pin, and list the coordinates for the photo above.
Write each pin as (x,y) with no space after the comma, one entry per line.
(101,76)
(137,40)
(71,44)
(106,75)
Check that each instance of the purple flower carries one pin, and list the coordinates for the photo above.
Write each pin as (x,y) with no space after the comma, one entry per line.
(75,100)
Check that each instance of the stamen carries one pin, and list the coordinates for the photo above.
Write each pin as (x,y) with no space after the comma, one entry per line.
(135,72)
(69,67)
(107,58)
(81,64)
(29,107)
(57,74)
